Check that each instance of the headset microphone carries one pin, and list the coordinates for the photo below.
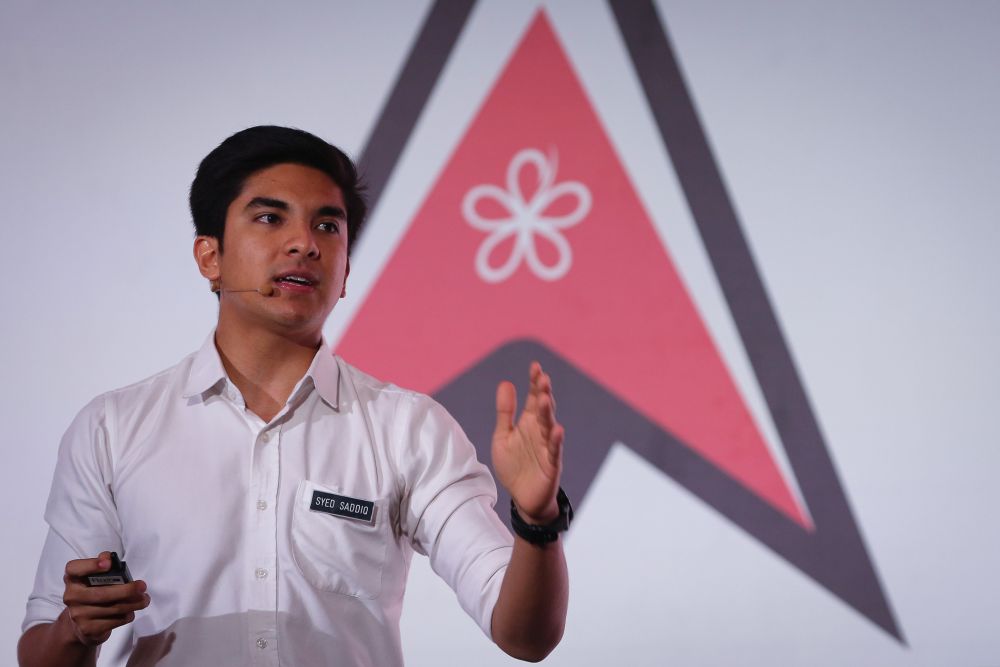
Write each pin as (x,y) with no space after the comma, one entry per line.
(266,289)
(263,290)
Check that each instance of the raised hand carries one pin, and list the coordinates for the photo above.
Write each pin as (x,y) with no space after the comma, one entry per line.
(527,456)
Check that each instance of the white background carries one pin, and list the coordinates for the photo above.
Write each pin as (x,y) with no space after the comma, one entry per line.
(858,140)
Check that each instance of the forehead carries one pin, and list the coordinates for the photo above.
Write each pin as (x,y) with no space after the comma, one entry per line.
(295,184)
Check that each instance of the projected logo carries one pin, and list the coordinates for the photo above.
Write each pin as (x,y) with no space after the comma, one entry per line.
(532,244)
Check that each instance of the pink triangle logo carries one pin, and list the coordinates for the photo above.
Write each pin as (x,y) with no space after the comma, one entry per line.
(533,230)
(532,244)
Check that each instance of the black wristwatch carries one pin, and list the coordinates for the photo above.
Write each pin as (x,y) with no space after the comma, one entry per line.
(547,533)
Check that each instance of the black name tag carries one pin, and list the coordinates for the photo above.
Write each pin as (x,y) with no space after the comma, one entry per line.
(352,508)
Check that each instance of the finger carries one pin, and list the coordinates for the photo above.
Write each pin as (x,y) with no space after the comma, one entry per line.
(84,566)
(80,594)
(545,413)
(82,613)
(132,590)
(506,405)
(545,393)
(97,631)
(543,383)
(535,387)
(556,439)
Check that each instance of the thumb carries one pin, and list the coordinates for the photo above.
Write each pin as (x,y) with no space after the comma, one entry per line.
(506,404)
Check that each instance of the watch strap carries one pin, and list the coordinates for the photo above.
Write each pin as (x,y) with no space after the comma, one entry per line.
(543,534)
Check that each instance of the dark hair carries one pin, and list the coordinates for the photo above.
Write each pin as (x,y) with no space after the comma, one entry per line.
(223,172)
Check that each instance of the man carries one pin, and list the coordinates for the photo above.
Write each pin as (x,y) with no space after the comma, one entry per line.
(271,495)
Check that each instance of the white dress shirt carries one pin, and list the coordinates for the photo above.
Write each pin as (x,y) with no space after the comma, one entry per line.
(218,512)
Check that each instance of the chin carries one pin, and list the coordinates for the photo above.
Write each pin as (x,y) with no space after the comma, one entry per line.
(297,320)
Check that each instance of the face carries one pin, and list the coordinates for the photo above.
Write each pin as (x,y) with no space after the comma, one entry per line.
(286,230)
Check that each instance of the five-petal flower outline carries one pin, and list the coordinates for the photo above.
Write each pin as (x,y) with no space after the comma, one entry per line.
(526,218)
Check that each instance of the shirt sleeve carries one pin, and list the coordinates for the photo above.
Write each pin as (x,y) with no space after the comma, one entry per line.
(81,513)
(447,510)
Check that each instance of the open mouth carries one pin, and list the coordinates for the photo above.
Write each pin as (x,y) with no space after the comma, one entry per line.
(295,280)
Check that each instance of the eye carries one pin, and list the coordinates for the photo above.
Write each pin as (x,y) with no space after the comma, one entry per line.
(332,226)
(268,218)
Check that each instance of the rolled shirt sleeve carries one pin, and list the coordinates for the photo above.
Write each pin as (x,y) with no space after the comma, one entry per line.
(81,513)
(447,509)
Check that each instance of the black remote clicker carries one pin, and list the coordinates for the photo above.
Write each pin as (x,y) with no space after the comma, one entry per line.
(118,574)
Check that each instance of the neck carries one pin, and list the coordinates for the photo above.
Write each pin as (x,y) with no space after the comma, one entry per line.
(265,365)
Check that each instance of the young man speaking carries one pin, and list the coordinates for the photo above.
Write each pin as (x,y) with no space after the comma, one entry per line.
(269,494)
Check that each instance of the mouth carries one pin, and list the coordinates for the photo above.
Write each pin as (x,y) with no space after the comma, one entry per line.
(296,281)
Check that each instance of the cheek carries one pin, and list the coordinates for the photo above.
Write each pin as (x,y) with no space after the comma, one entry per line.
(242,258)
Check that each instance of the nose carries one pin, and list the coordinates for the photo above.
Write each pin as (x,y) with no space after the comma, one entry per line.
(302,242)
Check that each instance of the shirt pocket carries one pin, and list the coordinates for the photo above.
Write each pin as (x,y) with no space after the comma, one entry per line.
(337,553)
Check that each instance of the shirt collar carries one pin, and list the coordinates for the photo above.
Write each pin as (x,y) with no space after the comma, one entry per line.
(206,369)
(325,375)
(207,372)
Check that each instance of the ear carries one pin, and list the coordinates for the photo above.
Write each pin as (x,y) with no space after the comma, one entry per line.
(347,272)
(206,255)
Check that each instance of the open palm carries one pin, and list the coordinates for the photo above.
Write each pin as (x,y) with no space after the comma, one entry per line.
(527,456)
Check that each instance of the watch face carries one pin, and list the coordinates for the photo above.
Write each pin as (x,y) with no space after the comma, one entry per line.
(565,510)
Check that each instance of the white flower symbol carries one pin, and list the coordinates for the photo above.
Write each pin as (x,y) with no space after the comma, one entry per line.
(526,218)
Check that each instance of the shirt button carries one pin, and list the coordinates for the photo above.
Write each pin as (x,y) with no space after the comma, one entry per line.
(262,505)
(260,573)
(261,643)
(265,436)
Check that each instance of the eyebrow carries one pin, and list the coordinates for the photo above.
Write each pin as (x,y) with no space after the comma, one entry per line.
(268,202)
(332,212)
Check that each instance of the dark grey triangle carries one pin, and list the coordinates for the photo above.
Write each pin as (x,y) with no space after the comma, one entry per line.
(406,101)
(680,128)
